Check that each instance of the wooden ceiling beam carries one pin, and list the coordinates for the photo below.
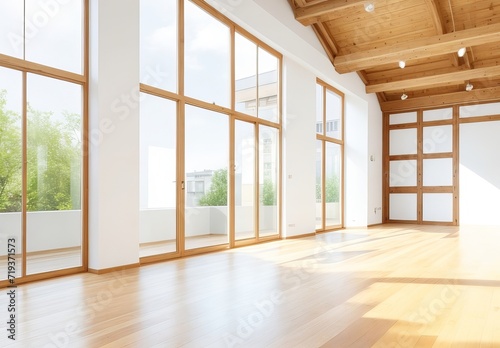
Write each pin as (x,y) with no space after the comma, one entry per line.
(436,80)
(457,98)
(312,14)
(436,16)
(326,41)
(417,49)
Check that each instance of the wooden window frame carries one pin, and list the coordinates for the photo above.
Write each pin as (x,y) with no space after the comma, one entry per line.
(326,139)
(27,67)
(182,100)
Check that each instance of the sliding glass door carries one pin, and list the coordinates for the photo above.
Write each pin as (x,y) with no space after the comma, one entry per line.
(158,171)
(206,178)
(54,174)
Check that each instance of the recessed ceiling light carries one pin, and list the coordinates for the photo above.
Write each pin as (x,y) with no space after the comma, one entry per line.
(469,86)
(369,7)
(404,96)
(402,64)
(461,52)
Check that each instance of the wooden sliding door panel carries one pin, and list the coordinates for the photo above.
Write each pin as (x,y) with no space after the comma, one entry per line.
(420,163)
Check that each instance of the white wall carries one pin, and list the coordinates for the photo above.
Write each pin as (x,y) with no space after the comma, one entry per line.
(299,140)
(479,173)
(356,164)
(374,182)
(114,143)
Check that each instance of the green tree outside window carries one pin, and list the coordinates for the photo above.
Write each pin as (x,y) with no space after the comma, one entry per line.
(54,160)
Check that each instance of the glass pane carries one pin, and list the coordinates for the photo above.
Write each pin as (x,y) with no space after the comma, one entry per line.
(333,115)
(12,28)
(246,75)
(403,206)
(206,182)
(10,170)
(157,176)
(54,219)
(319,109)
(268,86)
(439,114)
(207,57)
(268,180)
(54,34)
(333,190)
(158,41)
(403,141)
(479,110)
(438,172)
(403,173)
(438,207)
(244,180)
(407,117)
(319,189)
(438,139)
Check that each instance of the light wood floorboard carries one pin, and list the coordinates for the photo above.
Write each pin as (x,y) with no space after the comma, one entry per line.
(387,286)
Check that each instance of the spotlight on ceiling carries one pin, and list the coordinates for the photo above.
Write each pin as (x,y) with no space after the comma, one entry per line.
(404,96)
(369,6)
(469,86)
(461,52)
(402,64)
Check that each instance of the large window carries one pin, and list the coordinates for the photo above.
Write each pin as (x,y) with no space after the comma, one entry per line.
(226,155)
(42,148)
(329,157)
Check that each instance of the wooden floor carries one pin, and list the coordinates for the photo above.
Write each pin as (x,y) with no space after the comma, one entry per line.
(389,286)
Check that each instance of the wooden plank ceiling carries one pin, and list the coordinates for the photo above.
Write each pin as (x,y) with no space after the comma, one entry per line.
(425,34)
